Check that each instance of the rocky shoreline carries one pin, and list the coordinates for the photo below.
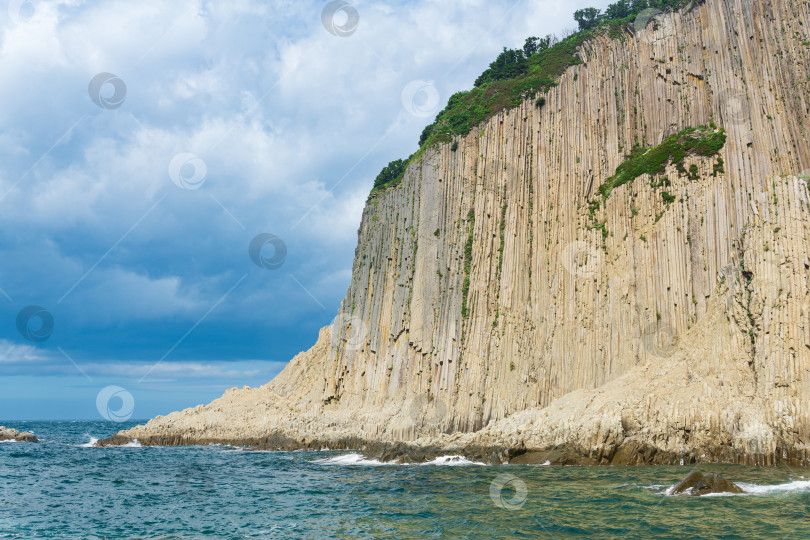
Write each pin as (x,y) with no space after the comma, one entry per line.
(627,453)
(8,434)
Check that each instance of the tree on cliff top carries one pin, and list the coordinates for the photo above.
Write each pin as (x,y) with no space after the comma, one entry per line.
(587,18)
(391,173)
(512,63)
(525,72)
(590,18)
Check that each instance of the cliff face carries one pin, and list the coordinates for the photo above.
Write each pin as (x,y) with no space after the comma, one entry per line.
(488,307)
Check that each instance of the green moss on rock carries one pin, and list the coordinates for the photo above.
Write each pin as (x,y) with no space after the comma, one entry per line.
(703,141)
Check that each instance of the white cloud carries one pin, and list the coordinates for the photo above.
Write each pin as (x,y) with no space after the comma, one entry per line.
(17,359)
(15,353)
(292,123)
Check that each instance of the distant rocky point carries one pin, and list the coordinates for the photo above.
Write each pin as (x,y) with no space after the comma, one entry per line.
(8,434)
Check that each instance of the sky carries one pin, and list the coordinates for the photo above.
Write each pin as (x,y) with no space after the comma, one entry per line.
(181,183)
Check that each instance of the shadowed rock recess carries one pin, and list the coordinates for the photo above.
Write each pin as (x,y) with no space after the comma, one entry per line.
(502,306)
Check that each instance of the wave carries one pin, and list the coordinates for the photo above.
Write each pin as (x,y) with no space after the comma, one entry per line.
(350,459)
(749,489)
(452,461)
(359,459)
(131,444)
(9,441)
(758,489)
(91,444)
(94,444)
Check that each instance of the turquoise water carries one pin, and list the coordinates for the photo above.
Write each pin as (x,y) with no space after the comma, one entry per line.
(61,489)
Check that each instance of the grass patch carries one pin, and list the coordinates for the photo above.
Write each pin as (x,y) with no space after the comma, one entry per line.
(703,141)
(465,288)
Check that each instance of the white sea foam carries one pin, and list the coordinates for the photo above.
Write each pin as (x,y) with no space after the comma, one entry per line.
(349,459)
(359,459)
(90,444)
(452,461)
(226,446)
(751,489)
(131,444)
(94,444)
(9,441)
(795,485)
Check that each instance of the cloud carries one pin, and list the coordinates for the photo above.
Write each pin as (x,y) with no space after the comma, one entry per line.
(17,354)
(16,359)
(291,122)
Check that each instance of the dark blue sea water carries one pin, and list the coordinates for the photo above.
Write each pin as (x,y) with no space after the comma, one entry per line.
(60,488)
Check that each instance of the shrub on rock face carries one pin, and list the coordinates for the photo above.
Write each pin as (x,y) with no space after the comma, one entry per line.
(426,133)
(587,18)
(701,141)
(391,173)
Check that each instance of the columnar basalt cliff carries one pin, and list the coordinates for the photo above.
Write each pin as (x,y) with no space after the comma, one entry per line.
(502,305)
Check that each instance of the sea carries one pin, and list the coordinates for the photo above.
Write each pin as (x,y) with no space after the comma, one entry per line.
(64,487)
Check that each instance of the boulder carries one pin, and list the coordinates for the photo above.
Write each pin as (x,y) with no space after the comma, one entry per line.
(8,434)
(26,436)
(696,483)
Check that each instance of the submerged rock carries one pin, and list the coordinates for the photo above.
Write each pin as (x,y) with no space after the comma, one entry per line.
(697,484)
(8,434)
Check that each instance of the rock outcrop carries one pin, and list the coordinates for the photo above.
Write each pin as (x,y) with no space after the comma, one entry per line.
(491,313)
(697,484)
(8,434)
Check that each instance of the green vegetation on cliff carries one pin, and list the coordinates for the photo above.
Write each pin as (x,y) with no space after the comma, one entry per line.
(519,74)
(468,248)
(391,173)
(703,141)
(505,84)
